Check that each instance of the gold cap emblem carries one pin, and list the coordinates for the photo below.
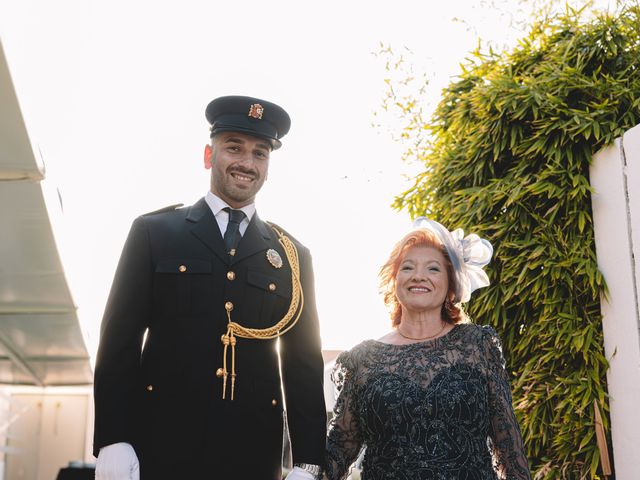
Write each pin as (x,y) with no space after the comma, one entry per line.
(274,258)
(255,111)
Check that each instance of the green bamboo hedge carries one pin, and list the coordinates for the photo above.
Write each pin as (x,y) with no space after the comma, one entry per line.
(508,157)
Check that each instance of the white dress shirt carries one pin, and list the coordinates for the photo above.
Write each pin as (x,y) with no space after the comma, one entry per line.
(216,204)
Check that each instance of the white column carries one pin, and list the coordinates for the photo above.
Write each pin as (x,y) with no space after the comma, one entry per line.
(615,177)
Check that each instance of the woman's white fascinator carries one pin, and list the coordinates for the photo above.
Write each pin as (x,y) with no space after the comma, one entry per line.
(468,255)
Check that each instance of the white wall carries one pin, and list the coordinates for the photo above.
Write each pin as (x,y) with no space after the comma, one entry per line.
(43,429)
(615,177)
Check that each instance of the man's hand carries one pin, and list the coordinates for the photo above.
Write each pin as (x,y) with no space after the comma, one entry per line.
(118,461)
(299,474)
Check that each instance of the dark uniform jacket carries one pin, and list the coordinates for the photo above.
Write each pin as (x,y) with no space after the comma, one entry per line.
(173,281)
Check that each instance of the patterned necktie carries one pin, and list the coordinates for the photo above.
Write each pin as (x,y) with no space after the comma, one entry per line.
(232,234)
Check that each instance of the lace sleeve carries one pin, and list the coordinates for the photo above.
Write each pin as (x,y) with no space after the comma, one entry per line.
(510,461)
(344,440)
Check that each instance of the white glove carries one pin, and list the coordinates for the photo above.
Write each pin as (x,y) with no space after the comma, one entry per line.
(299,474)
(117,461)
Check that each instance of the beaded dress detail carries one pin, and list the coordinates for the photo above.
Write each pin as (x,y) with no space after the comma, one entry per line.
(439,409)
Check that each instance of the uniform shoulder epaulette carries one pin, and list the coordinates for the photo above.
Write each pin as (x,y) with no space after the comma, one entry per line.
(170,208)
(277,227)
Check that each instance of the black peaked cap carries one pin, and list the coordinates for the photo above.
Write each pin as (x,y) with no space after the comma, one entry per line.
(248,115)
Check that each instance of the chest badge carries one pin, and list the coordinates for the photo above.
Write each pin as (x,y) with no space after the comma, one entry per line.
(274,258)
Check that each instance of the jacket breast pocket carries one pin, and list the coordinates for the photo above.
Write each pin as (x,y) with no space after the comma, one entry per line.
(268,297)
(175,282)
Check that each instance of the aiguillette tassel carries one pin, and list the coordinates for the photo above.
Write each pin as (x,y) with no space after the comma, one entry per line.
(233,364)
(225,342)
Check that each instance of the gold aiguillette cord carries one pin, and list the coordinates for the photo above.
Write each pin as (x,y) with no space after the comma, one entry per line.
(228,339)
(285,324)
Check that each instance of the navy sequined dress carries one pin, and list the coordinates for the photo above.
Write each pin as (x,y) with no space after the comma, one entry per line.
(439,409)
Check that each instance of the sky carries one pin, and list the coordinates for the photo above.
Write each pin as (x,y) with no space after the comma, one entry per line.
(113,94)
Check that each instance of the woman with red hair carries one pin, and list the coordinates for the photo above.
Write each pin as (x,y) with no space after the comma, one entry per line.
(430,399)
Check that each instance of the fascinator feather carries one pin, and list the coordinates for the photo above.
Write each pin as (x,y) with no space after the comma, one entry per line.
(469,255)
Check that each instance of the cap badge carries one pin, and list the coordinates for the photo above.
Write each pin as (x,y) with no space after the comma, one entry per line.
(255,111)
(274,258)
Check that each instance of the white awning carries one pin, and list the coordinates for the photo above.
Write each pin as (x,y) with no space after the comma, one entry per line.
(40,338)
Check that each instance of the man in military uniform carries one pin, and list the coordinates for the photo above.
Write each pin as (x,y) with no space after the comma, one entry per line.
(217,291)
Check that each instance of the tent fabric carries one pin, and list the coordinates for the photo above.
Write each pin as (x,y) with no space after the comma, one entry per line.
(41,341)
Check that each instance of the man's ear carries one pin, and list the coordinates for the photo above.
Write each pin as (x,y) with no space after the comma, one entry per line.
(208,154)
